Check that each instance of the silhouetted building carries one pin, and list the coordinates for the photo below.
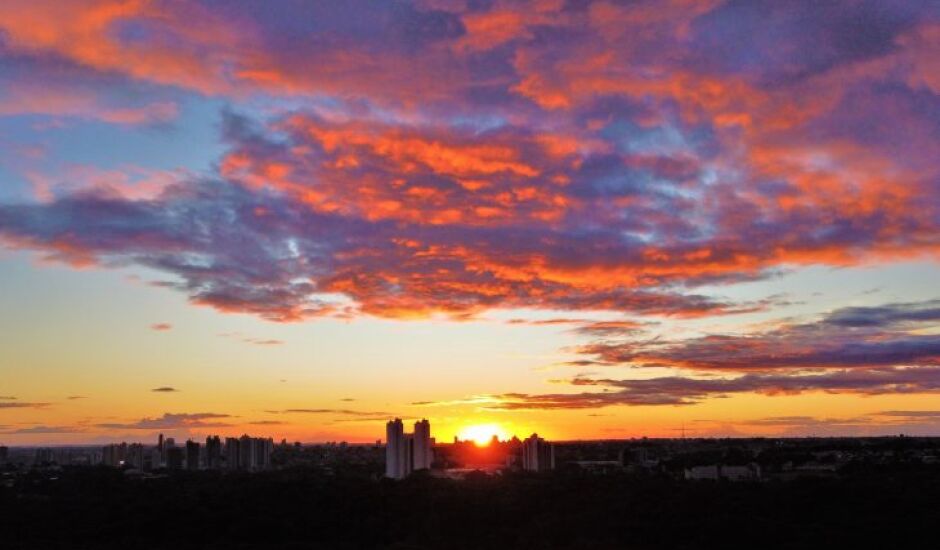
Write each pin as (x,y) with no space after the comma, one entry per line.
(748,472)
(192,455)
(114,455)
(261,449)
(537,454)
(174,458)
(4,455)
(395,450)
(44,457)
(231,453)
(213,452)
(405,453)
(134,456)
(421,452)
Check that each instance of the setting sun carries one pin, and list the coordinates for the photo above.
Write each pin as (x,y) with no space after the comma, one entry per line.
(482,434)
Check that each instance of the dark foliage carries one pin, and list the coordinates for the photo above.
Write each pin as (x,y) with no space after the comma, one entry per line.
(303,508)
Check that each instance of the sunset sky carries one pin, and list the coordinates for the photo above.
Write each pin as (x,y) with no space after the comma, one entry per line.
(299,219)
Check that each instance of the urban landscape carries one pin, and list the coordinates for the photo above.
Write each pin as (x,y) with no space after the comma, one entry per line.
(529,493)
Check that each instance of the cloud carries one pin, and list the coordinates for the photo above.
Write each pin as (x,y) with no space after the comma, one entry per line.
(851,337)
(165,389)
(161,327)
(342,412)
(41,429)
(172,420)
(252,340)
(679,390)
(74,397)
(910,414)
(23,405)
(586,156)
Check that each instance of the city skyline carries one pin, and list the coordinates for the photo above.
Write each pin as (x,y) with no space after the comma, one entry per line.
(582,219)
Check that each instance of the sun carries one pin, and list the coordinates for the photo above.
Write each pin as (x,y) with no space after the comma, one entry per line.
(482,434)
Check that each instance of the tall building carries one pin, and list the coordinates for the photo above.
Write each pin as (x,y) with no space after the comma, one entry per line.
(173,458)
(244,452)
(405,453)
(231,453)
(213,452)
(422,455)
(538,455)
(135,456)
(4,455)
(114,455)
(394,445)
(192,455)
(261,450)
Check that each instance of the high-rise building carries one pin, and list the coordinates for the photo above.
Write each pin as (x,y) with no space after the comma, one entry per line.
(538,455)
(4,455)
(114,455)
(394,442)
(261,450)
(173,458)
(192,455)
(422,453)
(244,452)
(231,453)
(135,456)
(213,452)
(405,453)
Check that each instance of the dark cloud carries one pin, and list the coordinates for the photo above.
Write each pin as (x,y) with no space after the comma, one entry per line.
(23,405)
(679,390)
(342,412)
(44,430)
(165,389)
(911,414)
(172,420)
(853,337)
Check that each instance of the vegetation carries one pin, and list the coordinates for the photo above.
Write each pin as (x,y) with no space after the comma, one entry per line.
(893,507)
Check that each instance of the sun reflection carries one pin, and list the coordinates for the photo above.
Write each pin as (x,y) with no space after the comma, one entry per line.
(482,434)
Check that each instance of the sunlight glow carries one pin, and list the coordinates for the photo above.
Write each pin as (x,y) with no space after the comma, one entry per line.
(481,434)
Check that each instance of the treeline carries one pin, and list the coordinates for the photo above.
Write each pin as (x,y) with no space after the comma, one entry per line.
(303,508)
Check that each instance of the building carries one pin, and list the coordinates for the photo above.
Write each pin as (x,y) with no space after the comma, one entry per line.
(261,450)
(244,452)
(231,453)
(4,455)
(714,472)
(422,455)
(213,452)
(134,456)
(192,455)
(114,455)
(538,455)
(174,458)
(406,453)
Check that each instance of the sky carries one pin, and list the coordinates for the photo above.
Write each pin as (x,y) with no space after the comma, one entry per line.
(586,219)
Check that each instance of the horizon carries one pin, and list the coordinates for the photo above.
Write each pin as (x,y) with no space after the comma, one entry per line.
(592,220)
